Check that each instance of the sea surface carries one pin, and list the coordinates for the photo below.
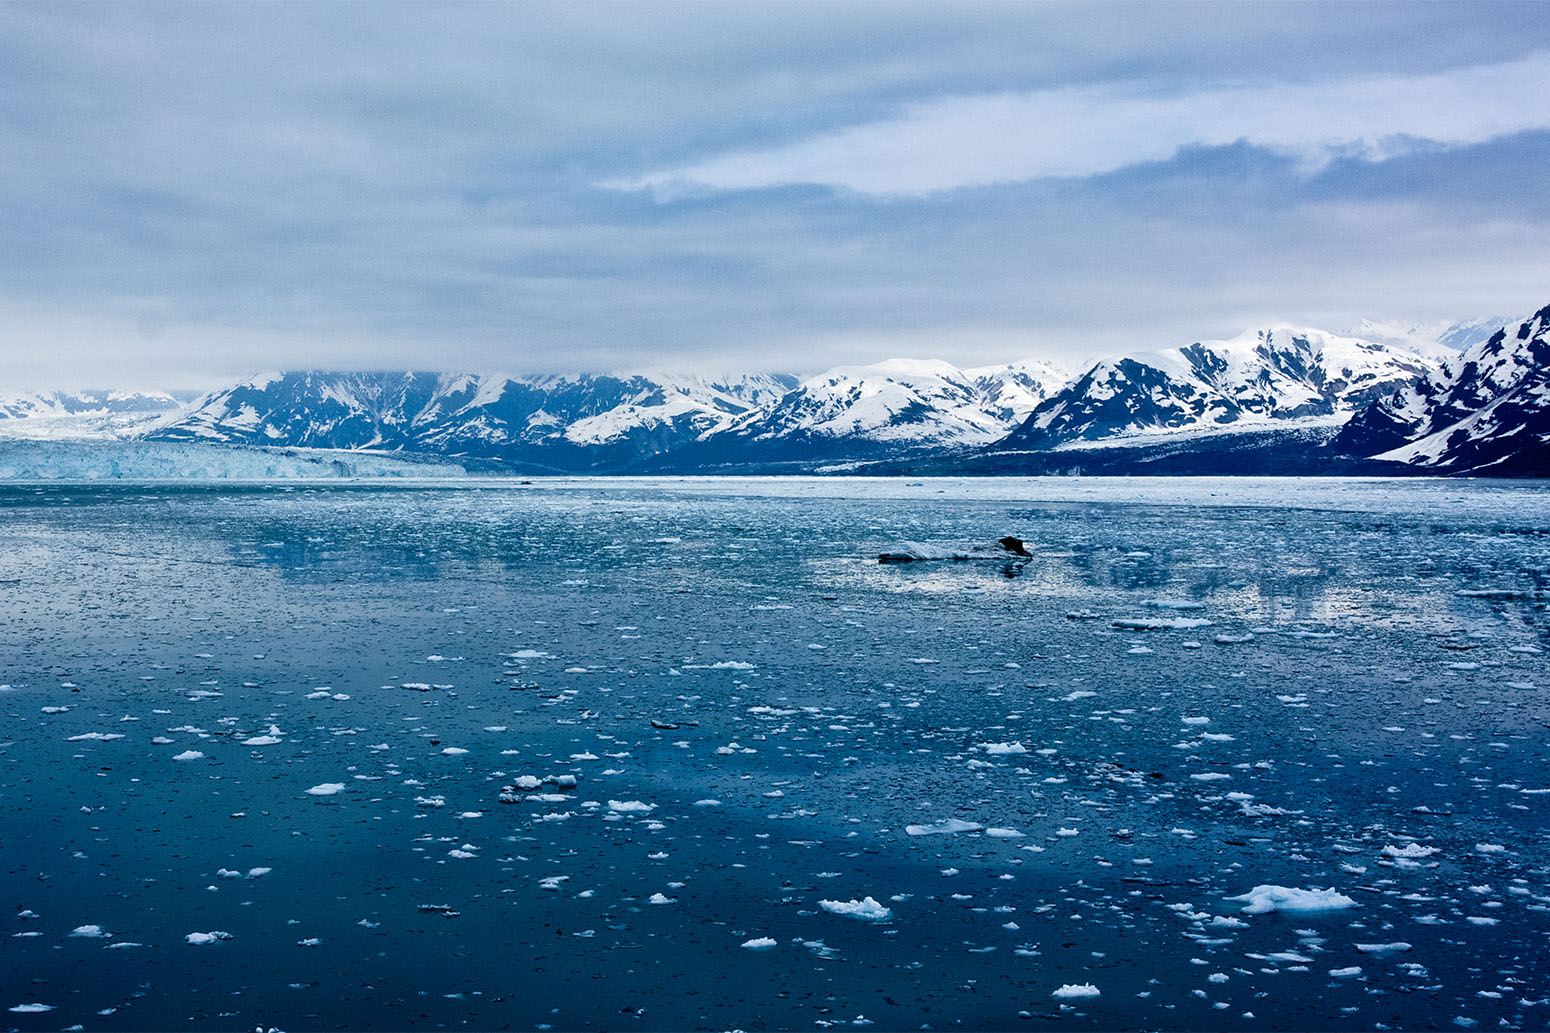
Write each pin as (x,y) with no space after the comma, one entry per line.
(683,754)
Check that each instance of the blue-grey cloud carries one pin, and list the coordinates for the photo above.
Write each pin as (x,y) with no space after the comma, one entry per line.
(195,191)
(964,141)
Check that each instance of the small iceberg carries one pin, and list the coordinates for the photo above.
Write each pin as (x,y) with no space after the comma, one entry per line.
(867,908)
(1263,899)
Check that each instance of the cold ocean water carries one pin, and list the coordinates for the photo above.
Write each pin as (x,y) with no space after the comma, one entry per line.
(302,756)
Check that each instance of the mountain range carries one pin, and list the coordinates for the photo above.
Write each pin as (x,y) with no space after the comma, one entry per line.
(1467,398)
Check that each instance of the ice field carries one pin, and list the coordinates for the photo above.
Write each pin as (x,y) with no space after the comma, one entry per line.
(683,754)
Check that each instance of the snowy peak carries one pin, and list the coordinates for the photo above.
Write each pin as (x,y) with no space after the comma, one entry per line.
(904,403)
(1487,412)
(1011,392)
(83,414)
(1277,376)
(487,415)
(1440,341)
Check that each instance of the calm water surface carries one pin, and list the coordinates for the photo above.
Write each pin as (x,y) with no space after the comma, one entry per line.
(302,756)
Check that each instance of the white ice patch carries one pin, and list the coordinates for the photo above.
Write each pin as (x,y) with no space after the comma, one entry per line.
(867,908)
(1262,899)
(631,807)
(759,943)
(189,755)
(90,932)
(1076,990)
(326,789)
(943,827)
(1003,749)
(211,937)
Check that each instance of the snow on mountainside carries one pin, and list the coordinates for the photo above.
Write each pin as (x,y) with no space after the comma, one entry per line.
(903,403)
(82,414)
(609,422)
(1487,412)
(1011,392)
(1441,341)
(472,414)
(1272,378)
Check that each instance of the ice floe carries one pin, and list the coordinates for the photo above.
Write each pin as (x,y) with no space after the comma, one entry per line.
(1266,898)
(867,908)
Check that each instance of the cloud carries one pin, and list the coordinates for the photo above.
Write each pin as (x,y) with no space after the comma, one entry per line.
(969,141)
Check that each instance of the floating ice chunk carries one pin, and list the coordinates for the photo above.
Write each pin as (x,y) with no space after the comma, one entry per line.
(759,943)
(732,665)
(311,941)
(1489,848)
(254,873)
(1067,832)
(1076,990)
(1265,898)
(211,937)
(326,789)
(631,807)
(453,751)
(94,737)
(1411,850)
(90,932)
(262,740)
(1383,948)
(1003,834)
(1003,749)
(941,827)
(1195,720)
(30,1009)
(1210,776)
(1225,638)
(1346,973)
(189,755)
(867,908)
(661,898)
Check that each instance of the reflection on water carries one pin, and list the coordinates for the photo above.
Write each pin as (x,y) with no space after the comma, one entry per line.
(600,755)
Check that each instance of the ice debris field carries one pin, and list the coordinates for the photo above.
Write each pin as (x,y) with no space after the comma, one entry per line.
(685,755)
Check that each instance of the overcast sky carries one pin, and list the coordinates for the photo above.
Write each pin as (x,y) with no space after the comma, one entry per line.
(194,192)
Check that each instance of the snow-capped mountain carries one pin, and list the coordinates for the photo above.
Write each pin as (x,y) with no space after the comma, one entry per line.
(1011,392)
(1487,411)
(887,409)
(1272,378)
(82,414)
(1269,400)
(613,422)
(475,415)
(913,401)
